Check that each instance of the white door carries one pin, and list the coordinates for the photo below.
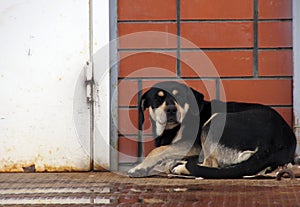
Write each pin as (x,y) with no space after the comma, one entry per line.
(101,73)
(45,118)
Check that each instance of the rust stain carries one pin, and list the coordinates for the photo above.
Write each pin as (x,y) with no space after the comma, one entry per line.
(101,168)
(50,168)
(11,168)
(29,168)
(38,164)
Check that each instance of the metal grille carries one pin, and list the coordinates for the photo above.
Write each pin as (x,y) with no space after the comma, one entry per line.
(108,189)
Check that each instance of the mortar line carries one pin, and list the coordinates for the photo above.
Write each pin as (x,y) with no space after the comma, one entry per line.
(178,64)
(255,39)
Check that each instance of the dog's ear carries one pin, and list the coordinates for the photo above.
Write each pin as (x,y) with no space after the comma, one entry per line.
(196,101)
(143,105)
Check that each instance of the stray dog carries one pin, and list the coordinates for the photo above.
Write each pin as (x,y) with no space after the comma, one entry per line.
(212,139)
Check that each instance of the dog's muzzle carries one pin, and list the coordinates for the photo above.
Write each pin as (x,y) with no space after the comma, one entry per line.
(171,112)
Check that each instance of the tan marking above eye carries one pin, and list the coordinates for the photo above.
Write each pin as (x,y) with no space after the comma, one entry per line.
(161,93)
(175,92)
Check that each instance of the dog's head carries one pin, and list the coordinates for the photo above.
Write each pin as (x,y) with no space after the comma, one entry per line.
(169,104)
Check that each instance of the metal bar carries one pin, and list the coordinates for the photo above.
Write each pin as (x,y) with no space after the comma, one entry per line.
(114,73)
(140,133)
(90,78)
(296,51)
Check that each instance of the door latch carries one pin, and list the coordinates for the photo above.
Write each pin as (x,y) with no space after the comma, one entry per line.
(89,82)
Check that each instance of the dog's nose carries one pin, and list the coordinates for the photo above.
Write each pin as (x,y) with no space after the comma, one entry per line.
(171,110)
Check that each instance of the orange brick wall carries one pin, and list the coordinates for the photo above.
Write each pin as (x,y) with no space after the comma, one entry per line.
(249,43)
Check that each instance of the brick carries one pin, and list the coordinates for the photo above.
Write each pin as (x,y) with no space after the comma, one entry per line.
(147,84)
(128,121)
(275,34)
(148,144)
(147,10)
(147,35)
(269,92)
(147,64)
(206,87)
(128,149)
(217,34)
(275,9)
(128,93)
(216,64)
(286,113)
(147,127)
(275,63)
(216,9)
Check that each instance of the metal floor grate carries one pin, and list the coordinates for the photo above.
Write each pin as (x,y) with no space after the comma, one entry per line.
(110,189)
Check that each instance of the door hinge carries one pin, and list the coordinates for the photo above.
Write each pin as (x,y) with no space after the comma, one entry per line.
(89,82)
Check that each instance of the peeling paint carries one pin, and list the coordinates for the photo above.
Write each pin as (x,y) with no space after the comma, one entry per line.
(29,169)
(29,52)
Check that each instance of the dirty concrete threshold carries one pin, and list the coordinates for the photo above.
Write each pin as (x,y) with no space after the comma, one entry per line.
(111,189)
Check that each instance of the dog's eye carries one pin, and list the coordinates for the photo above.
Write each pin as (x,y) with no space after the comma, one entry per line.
(178,98)
(159,97)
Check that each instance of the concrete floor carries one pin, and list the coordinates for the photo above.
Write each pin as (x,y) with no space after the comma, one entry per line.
(111,189)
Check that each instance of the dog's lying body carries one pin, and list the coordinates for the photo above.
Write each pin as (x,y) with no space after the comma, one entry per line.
(237,139)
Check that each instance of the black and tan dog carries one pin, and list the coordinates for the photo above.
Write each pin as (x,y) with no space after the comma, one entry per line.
(228,140)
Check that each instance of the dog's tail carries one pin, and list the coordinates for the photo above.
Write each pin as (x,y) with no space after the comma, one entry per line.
(255,164)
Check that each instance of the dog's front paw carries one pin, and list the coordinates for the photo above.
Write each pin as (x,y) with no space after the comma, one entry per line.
(180,168)
(137,172)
